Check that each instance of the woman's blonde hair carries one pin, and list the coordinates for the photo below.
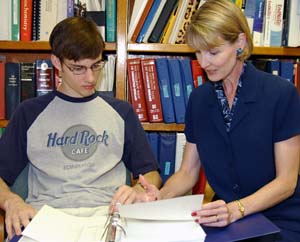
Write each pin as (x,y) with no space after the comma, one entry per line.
(215,19)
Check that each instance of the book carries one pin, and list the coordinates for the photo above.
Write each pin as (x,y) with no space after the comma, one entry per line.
(2,87)
(257,34)
(137,11)
(287,70)
(148,21)
(62,10)
(47,21)
(5,20)
(177,89)
(191,9)
(169,28)
(27,76)
(151,89)
(165,88)
(36,14)
(273,67)
(111,20)
(95,10)
(26,20)
(154,20)
(136,88)
(250,13)
(44,76)
(198,73)
(141,20)
(293,33)
(162,21)
(187,77)
(272,31)
(70,8)
(15,20)
(199,187)
(180,146)
(297,76)
(153,139)
(12,88)
(166,154)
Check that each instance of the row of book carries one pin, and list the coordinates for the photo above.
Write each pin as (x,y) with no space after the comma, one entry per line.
(168,148)
(159,87)
(272,22)
(20,81)
(28,20)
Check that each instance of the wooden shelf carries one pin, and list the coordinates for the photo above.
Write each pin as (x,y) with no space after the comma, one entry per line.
(37,46)
(183,48)
(163,127)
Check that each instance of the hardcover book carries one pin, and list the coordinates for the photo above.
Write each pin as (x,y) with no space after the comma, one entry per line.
(136,88)
(44,76)
(26,20)
(27,75)
(151,89)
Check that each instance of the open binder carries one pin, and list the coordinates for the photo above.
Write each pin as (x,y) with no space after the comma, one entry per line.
(166,220)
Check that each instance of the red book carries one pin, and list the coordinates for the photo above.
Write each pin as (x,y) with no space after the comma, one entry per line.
(151,88)
(198,73)
(199,187)
(26,20)
(136,88)
(2,89)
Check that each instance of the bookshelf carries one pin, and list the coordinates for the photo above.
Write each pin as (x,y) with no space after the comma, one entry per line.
(30,50)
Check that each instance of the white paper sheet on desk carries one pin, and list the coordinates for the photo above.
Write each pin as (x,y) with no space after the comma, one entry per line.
(51,225)
(179,208)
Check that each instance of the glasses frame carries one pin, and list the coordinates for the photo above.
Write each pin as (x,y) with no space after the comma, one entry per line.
(98,66)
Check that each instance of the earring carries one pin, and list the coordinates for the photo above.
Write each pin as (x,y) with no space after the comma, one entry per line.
(239,51)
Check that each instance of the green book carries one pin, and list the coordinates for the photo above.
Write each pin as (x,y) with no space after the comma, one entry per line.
(15,20)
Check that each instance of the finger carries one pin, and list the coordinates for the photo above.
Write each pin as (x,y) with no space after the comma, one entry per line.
(143,182)
(16,224)
(9,229)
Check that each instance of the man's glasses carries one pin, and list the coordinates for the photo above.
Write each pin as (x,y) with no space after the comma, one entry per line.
(80,70)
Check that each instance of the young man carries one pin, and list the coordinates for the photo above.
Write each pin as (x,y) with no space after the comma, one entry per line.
(77,143)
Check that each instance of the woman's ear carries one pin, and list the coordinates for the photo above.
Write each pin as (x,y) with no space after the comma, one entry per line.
(241,41)
(56,62)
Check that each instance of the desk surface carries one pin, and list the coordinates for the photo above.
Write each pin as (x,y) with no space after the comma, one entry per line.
(249,227)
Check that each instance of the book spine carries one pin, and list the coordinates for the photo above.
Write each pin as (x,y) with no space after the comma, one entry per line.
(187,76)
(2,89)
(276,24)
(26,20)
(141,20)
(136,88)
(151,88)
(70,8)
(258,23)
(15,20)
(111,20)
(12,88)
(35,35)
(28,81)
(198,73)
(162,21)
(164,84)
(44,76)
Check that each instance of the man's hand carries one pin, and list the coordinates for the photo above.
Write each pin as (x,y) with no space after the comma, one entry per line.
(17,215)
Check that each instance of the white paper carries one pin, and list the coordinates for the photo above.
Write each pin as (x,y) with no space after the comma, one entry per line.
(179,208)
(51,225)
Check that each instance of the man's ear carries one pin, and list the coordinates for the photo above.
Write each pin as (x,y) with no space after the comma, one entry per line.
(56,62)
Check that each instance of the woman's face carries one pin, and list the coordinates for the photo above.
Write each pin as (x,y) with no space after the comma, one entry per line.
(218,62)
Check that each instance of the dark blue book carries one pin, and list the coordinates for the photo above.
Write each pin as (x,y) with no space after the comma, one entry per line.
(166,154)
(287,70)
(12,88)
(164,84)
(187,77)
(273,67)
(162,21)
(153,138)
(177,89)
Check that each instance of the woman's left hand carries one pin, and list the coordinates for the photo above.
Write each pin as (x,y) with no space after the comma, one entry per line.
(213,214)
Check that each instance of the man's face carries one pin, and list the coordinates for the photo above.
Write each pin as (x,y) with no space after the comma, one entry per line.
(79,79)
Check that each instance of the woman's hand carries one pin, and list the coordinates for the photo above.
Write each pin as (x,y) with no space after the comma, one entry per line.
(213,214)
